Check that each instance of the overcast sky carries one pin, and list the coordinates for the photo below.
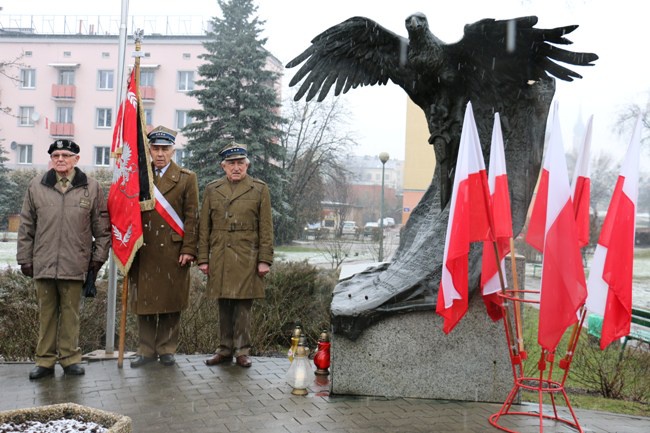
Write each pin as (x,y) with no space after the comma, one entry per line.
(616,31)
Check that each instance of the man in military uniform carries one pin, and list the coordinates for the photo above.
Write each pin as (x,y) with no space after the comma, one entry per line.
(160,275)
(62,212)
(235,250)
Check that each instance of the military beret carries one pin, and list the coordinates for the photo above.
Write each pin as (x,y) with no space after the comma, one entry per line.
(64,145)
(233,151)
(162,136)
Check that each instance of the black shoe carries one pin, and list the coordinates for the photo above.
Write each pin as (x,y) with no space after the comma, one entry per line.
(74,370)
(140,360)
(167,359)
(40,372)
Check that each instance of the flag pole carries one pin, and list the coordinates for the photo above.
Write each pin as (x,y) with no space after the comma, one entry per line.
(112,267)
(515,282)
(125,285)
(125,296)
(506,319)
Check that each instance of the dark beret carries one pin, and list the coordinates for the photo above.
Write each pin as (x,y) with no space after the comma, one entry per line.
(68,145)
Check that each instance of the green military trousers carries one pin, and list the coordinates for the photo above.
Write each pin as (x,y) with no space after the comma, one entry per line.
(58,332)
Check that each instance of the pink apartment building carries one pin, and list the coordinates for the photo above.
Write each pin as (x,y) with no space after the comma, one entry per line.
(65,86)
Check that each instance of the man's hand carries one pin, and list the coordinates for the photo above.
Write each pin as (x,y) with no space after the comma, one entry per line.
(263,268)
(185,259)
(95,266)
(27,270)
(205,268)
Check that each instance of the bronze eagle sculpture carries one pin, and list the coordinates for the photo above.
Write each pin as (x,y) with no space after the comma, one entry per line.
(504,66)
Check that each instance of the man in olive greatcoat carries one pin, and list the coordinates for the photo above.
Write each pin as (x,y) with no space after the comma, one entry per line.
(235,250)
(63,211)
(160,274)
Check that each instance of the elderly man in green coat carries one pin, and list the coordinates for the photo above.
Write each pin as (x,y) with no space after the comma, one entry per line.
(160,275)
(235,250)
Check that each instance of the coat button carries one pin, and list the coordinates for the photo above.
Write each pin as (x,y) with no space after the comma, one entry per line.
(162,245)
(228,245)
(162,226)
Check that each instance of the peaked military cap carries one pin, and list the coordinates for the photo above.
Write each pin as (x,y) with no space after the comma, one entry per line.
(63,144)
(233,151)
(162,136)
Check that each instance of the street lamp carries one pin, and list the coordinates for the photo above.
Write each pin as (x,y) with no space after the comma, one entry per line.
(383,157)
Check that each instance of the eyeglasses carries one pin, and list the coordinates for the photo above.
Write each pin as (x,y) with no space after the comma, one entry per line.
(62,155)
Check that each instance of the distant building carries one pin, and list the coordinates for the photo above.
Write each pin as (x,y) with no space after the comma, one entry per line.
(66,82)
(365,188)
(420,161)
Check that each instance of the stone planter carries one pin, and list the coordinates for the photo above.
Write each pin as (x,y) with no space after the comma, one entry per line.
(114,423)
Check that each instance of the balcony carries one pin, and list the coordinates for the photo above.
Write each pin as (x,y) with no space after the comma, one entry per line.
(61,129)
(62,91)
(148,93)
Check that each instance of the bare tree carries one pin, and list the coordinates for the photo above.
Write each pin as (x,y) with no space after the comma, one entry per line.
(627,118)
(9,69)
(316,144)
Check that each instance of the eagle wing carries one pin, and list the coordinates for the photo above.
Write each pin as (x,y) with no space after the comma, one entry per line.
(515,51)
(355,52)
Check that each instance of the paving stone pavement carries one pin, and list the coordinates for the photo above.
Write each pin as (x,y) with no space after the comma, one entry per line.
(191,397)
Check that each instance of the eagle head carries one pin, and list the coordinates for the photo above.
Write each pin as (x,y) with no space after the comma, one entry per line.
(416,24)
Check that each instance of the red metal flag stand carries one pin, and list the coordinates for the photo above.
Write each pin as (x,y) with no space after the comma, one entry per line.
(544,384)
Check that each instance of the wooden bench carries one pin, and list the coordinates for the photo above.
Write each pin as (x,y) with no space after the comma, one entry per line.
(639,331)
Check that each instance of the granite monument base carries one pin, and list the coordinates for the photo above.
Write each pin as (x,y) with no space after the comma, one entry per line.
(408,355)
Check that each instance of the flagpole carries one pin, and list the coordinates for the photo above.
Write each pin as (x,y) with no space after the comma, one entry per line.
(514,348)
(515,282)
(112,268)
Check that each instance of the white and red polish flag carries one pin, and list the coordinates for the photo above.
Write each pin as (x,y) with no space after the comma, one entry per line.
(563,287)
(581,188)
(502,220)
(468,222)
(610,277)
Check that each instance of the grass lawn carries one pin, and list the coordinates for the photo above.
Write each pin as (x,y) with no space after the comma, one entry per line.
(590,365)
(296,249)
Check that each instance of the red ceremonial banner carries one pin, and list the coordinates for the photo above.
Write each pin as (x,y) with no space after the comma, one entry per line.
(130,190)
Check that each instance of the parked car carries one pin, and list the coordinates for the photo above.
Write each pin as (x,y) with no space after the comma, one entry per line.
(349,228)
(371,230)
(388,221)
(312,231)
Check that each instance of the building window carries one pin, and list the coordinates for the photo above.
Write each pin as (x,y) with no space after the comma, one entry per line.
(104,117)
(148,116)
(181,156)
(64,114)
(28,78)
(105,79)
(146,78)
(182,119)
(24,154)
(67,54)
(185,81)
(25,116)
(106,54)
(147,54)
(28,53)
(66,77)
(102,156)
(187,56)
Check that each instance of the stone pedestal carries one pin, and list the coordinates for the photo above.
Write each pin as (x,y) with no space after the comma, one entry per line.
(409,356)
